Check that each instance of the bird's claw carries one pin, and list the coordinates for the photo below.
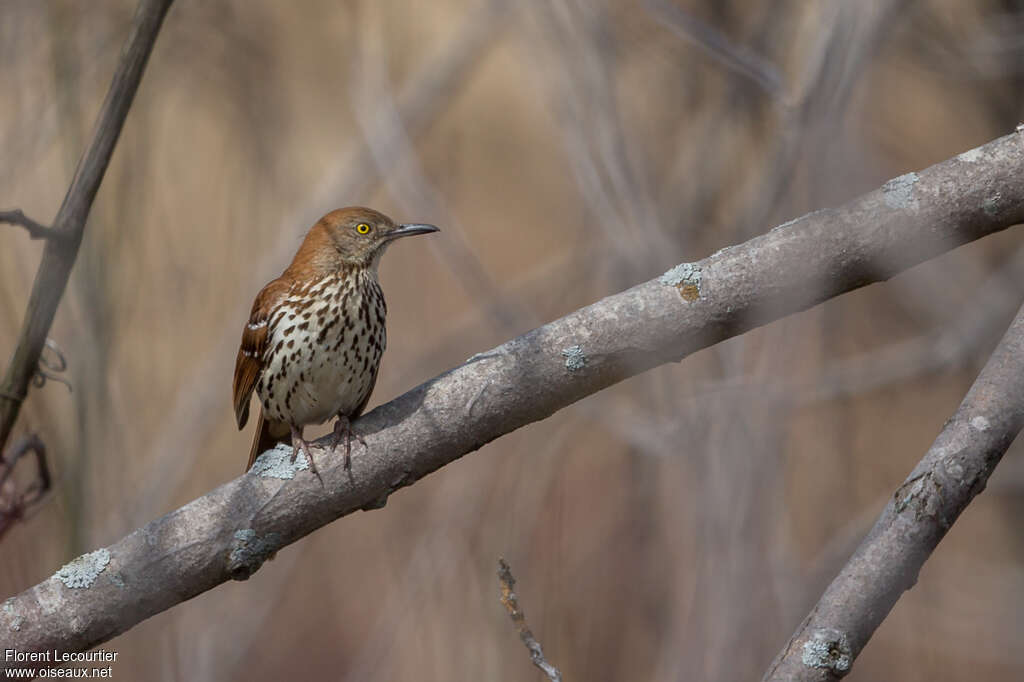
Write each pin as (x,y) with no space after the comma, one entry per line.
(343,428)
(298,442)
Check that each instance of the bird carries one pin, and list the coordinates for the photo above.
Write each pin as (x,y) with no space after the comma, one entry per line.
(314,339)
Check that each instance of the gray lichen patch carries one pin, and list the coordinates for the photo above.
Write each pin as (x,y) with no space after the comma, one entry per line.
(899,192)
(249,550)
(979,423)
(17,620)
(954,468)
(921,494)
(829,649)
(83,571)
(684,273)
(686,277)
(991,204)
(971,155)
(277,463)
(575,358)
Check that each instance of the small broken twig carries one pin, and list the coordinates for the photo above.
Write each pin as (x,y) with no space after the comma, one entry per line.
(35,230)
(511,602)
(14,504)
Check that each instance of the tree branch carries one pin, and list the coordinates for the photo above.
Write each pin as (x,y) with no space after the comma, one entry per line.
(229,532)
(35,230)
(69,225)
(917,517)
(511,603)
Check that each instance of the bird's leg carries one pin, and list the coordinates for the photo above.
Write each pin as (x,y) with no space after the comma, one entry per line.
(299,442)
(343,427)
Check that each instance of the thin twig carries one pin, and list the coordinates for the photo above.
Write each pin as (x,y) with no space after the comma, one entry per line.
(511,602)
(35,230)
(59,254)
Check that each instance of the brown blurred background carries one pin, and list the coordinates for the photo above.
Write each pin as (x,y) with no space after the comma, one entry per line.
(675,527)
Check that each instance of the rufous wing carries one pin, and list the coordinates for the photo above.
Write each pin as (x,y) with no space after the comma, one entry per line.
(255,336)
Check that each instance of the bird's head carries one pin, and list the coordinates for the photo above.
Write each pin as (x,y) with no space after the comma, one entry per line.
(358,236)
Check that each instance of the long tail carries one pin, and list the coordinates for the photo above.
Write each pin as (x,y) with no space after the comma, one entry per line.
(268,434)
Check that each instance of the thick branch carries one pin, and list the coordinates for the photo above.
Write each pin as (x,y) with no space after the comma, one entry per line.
(59,254)
(917,517)
(229,532)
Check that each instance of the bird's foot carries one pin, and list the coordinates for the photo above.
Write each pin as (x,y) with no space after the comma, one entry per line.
(343,429)
(298,442)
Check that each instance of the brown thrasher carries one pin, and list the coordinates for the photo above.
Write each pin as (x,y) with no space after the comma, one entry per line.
(315,335)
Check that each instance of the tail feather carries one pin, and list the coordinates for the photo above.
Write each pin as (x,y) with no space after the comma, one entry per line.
(268,434)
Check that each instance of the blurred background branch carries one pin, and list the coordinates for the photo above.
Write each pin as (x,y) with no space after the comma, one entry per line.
(59,254)
(736,58)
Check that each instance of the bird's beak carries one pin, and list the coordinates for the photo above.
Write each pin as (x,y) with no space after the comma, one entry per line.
(410,229)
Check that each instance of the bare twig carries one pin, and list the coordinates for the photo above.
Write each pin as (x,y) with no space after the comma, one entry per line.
(14,503)
(511,603)
(35,230)
(59,254)
(917,517)
(229,532)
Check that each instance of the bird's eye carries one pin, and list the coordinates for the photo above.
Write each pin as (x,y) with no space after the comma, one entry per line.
(363,228)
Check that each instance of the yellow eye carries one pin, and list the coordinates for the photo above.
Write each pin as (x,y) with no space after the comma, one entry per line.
(363,228)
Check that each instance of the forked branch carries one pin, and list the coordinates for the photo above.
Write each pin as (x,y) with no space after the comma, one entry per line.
(34,229)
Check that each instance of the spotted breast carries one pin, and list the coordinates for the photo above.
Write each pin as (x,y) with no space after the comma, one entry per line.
(326,338)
